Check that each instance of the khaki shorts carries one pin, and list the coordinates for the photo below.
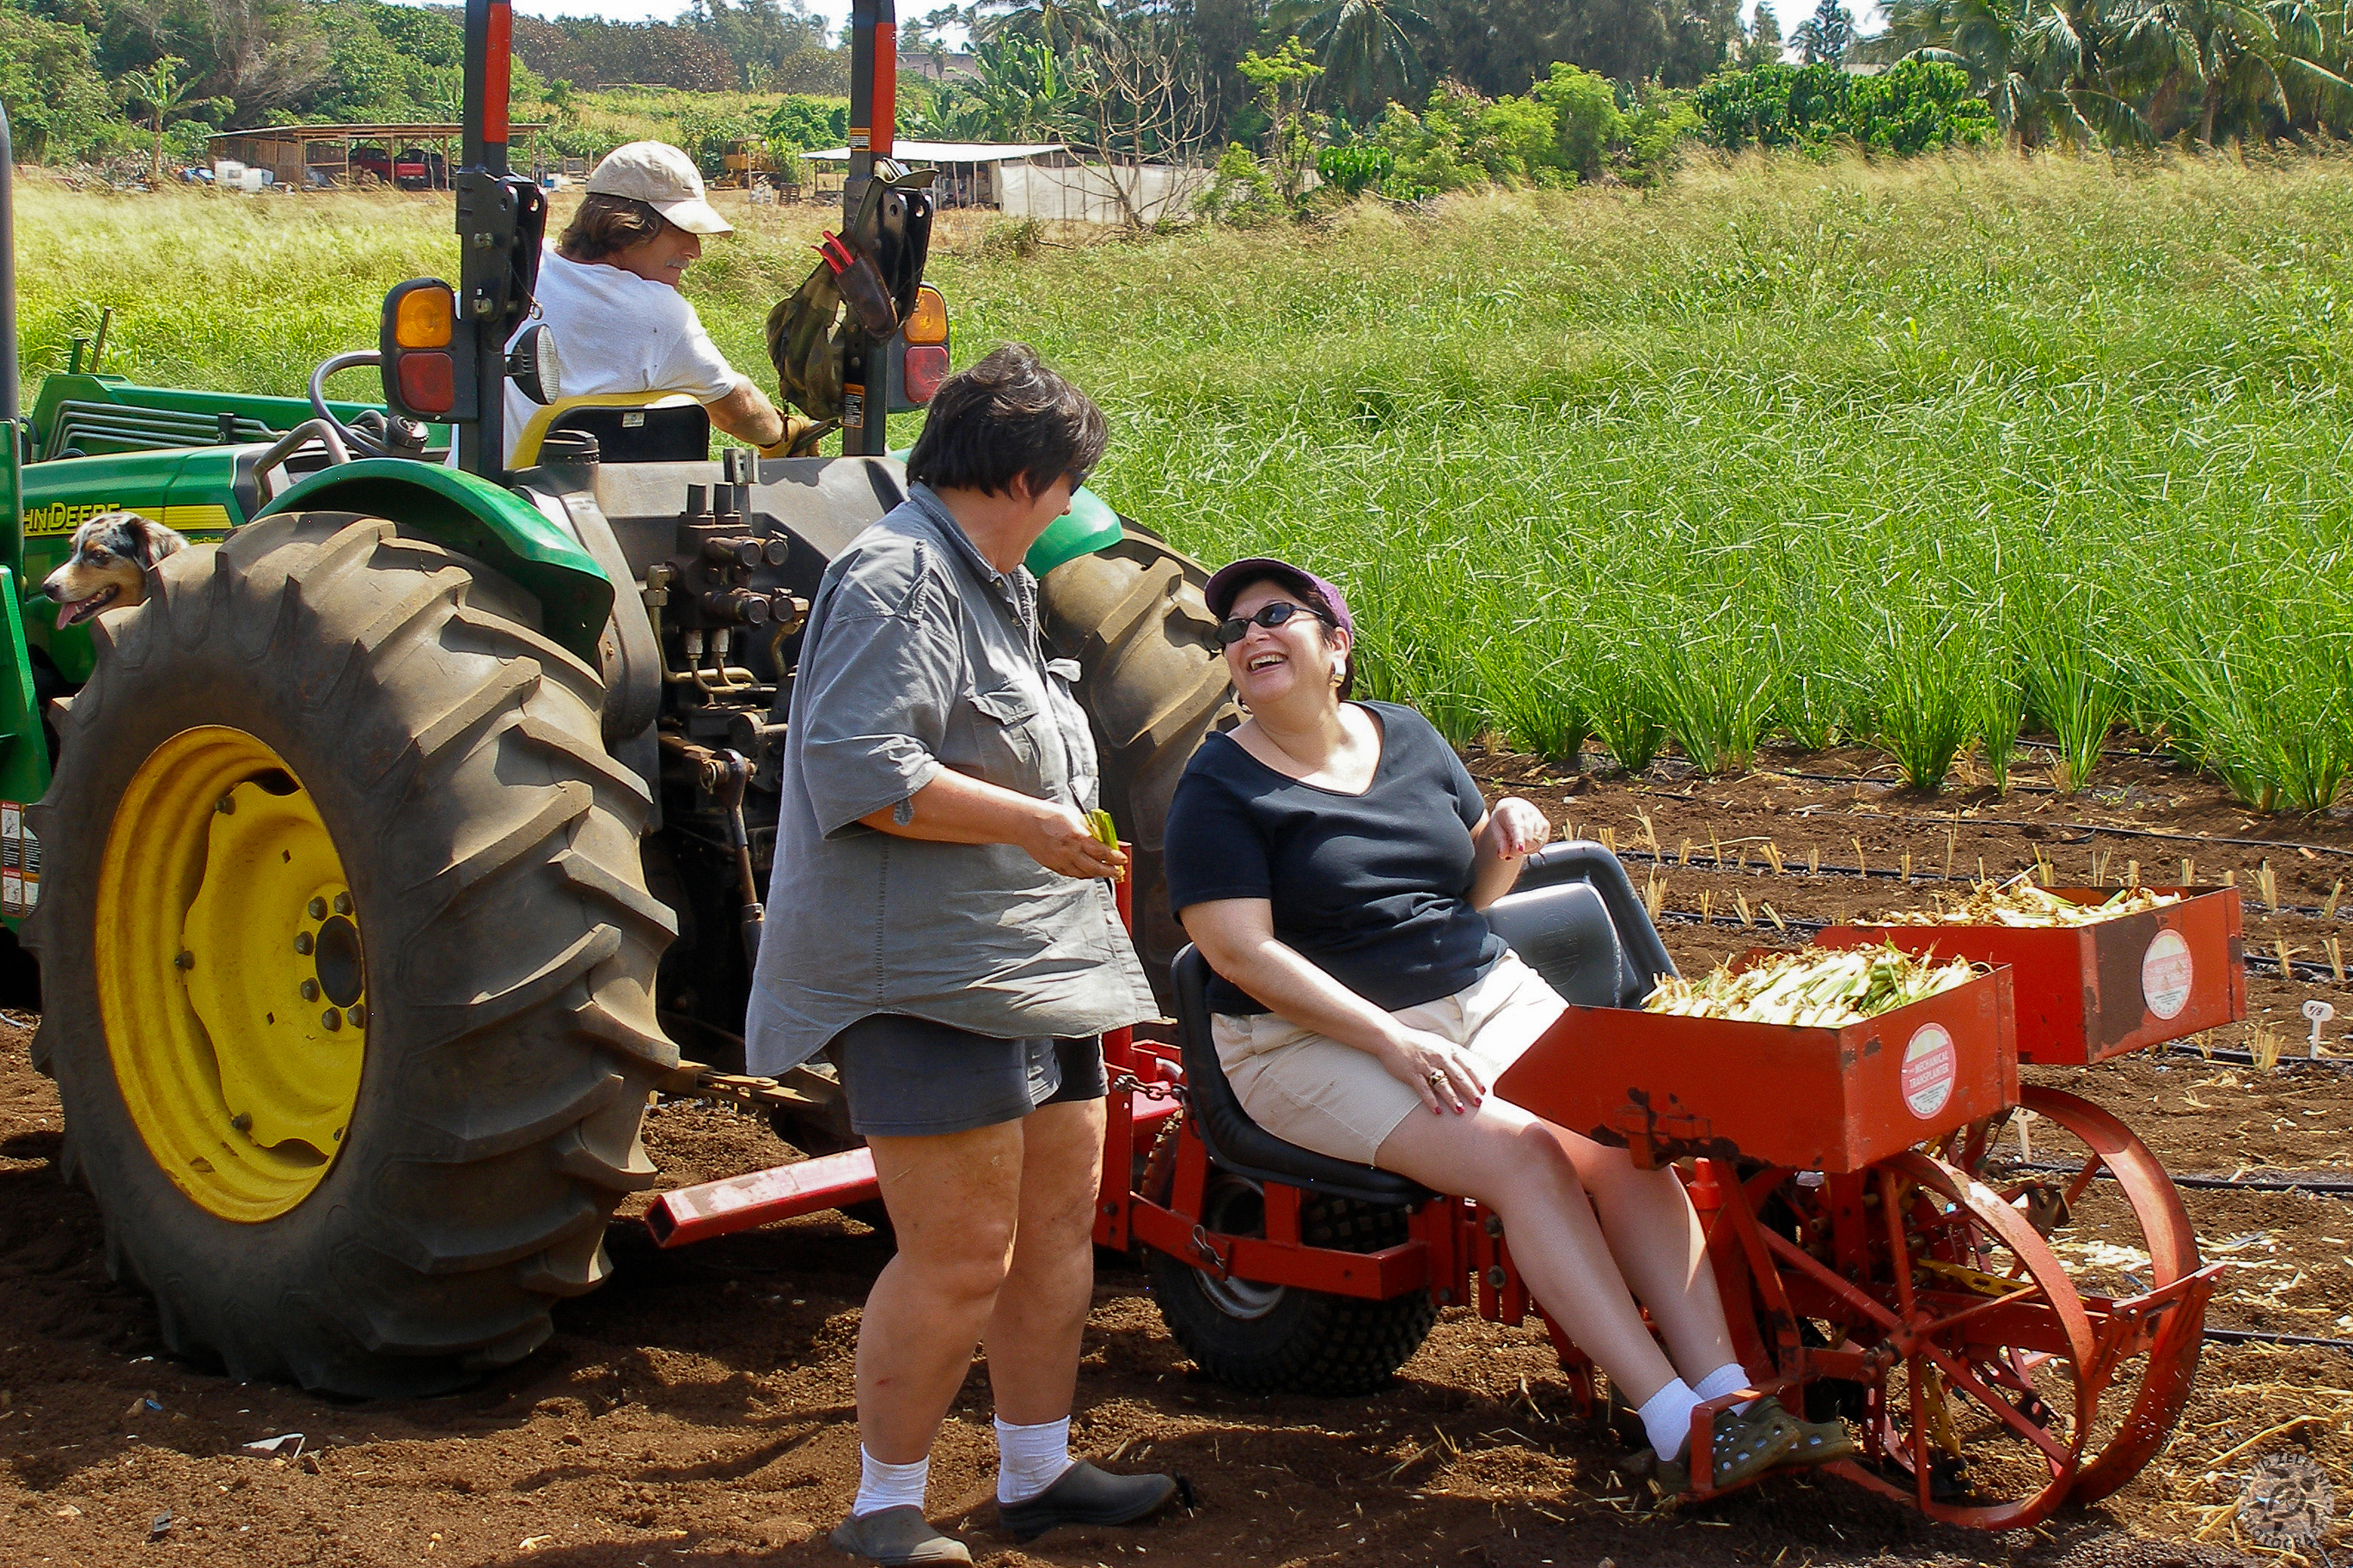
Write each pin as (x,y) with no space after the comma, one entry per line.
(1310,1090)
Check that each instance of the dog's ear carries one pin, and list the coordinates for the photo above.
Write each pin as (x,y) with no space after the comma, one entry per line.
(156,541)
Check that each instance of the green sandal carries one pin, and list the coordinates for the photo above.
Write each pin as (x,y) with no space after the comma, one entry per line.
(1746,1446)
(1812,1442)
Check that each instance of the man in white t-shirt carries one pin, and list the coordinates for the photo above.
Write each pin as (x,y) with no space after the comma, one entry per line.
(609,288)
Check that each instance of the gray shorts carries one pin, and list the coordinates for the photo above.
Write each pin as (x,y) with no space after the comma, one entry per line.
(910,1078)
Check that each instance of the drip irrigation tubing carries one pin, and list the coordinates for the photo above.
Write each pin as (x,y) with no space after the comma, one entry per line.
(2247,1058)
(2266,1337)
(2308,971)
(1665,861)
(2083,827)
(2284,1181)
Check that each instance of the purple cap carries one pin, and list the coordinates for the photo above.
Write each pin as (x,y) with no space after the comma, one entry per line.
(1230,580)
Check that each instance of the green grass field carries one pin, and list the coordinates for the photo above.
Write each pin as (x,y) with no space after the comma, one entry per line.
(1919,452)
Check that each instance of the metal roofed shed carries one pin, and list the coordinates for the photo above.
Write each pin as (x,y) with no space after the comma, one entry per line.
(412,156)
(969,171)
(1043,180)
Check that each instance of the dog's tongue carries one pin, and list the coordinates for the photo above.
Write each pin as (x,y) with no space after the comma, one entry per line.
(65,613)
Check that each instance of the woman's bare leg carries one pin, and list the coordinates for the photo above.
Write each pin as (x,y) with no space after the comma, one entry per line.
(1514,1164)
(1662,1252)
(1032,1336)
(954,1200)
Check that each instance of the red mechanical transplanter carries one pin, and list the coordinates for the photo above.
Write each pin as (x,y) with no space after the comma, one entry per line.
(1880,1255)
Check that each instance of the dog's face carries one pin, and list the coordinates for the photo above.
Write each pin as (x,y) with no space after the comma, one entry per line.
(108,568)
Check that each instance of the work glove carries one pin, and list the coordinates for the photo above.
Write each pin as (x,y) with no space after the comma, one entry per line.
(800,438)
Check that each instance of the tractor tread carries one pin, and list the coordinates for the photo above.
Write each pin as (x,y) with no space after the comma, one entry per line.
(1153,683)
(457,758)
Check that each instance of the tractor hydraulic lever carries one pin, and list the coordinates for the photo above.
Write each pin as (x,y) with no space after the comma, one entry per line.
(723,775)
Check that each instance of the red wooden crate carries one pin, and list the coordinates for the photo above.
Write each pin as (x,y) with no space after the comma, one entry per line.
(1819,1099)
(2088,992)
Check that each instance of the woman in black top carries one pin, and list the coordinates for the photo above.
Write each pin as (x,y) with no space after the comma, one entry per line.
(1330,860)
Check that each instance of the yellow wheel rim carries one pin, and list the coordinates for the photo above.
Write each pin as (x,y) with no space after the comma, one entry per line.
(230,973)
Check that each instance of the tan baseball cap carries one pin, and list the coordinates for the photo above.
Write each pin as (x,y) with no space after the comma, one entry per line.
(663,178)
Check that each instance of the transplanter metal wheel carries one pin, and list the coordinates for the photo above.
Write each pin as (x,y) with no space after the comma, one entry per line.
(2116,1220)
(1261,1338)
(1153,681)
(350,958)
(1988,1372)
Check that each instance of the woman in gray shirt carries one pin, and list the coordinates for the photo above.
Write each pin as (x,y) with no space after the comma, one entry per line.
(940,918)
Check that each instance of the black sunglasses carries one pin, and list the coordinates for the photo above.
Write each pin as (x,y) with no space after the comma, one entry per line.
(1233,628)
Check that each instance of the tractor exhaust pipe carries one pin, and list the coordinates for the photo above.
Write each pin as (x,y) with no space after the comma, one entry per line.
(11,406)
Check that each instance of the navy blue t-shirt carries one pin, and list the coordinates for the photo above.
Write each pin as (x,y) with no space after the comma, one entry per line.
(1372,889)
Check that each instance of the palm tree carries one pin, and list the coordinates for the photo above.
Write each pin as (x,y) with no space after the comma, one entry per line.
(159,87)
(1366,45)
(2035,62)
(2242,56)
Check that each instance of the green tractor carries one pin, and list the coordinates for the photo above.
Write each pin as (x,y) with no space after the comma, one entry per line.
(380,862)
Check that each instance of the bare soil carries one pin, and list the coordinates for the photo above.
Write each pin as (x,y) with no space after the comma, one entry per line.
(699,1407)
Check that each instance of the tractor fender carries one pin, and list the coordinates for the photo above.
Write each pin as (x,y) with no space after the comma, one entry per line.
(631,657)
(474,517)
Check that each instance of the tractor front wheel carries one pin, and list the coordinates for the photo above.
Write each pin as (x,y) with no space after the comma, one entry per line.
(349,958)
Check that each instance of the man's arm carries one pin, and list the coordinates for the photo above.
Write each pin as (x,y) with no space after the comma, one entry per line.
(747,414)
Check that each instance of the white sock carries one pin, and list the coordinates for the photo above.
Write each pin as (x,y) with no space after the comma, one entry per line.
(881,1486)
(1666,1416)
(1030,1458)
(1729,1378)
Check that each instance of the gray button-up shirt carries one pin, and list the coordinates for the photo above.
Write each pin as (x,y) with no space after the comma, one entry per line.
(921,656)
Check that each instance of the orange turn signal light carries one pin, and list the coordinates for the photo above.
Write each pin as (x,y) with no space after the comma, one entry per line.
(425,318)
(928,321)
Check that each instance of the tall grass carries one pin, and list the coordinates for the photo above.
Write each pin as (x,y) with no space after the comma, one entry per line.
(2095,411)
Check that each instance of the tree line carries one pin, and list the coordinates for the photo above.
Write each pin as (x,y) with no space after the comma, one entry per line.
(1434,94)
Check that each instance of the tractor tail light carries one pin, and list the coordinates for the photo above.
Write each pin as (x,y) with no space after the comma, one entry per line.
(424,318)
(428,383)
(925,366)
(421,347)
(928,321)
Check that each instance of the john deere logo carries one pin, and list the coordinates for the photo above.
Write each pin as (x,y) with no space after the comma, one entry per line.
(62,517)
(2288,1501)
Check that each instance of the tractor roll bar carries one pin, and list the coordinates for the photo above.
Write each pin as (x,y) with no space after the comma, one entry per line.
(873,112)
(11,406)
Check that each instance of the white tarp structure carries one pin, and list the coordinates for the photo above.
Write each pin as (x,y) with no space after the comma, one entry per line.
(1095,193)
(1045,180)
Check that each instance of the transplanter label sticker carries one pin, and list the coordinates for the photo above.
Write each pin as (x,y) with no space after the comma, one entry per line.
(2165,971)
(1930,1064)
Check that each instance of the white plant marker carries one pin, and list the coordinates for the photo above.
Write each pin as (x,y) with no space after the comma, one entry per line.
(2319,1012)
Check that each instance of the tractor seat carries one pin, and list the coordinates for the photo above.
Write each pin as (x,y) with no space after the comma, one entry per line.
(1573,915)
(1240,1146)
(1563,932)
(629,427)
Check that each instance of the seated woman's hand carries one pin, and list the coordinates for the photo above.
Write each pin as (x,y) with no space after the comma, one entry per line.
(1059,839)
(1516,829)
(1439,1072)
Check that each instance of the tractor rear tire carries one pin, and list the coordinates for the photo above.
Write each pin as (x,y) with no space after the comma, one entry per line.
(1153,681)
(1278,1338)
(393,708)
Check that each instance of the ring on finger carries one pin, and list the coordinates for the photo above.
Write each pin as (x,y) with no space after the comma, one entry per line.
(1436,1075)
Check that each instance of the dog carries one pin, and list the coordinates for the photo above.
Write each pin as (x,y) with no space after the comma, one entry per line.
(107,568)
